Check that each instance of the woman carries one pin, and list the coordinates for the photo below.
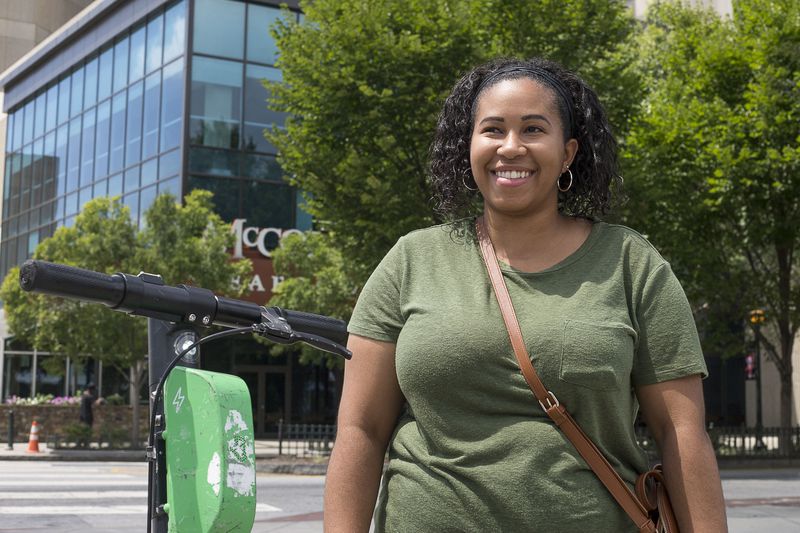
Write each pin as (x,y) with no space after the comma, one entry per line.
(608,327)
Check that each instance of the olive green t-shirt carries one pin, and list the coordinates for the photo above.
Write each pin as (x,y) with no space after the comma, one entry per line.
(472,450)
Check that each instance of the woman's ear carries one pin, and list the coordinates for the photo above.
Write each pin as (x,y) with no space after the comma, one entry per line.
(570,149)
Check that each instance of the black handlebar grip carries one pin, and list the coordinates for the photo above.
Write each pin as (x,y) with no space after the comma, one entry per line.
(323,326)
(71,282)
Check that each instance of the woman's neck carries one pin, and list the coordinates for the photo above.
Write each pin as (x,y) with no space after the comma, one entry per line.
(535,243)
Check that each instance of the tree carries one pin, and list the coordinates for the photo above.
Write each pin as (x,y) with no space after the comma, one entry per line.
(363,82)
(316,281)
(712,162)
(184,244)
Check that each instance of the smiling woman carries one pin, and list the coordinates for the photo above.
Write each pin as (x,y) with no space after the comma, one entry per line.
(606,323)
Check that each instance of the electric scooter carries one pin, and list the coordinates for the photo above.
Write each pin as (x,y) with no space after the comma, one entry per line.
(200,449)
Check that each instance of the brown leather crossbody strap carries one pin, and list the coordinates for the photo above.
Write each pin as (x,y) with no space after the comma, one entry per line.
(557,412)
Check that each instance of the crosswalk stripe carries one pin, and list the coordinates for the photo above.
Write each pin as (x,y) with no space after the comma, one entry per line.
(34,510)
(85,483)
(97,509)
(73,495)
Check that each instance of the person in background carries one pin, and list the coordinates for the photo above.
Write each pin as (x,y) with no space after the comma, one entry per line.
(89,399)
(434,378)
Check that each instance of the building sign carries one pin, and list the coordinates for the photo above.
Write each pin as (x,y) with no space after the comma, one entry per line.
(257,244)
(262,239)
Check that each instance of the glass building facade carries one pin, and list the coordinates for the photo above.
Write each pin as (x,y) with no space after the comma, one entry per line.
(169,100)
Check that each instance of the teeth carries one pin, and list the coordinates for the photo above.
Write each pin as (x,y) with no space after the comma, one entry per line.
(512,174)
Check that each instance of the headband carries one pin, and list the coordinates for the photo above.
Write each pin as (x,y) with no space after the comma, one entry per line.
(539,74)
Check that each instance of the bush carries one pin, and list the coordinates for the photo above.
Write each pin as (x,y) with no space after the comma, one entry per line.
(115,399)
(115,436)
(78,433)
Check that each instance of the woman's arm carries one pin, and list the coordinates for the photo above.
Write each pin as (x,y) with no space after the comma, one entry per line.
(371,402)
(675,414)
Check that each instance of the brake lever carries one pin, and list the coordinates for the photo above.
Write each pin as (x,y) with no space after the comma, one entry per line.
(280,332)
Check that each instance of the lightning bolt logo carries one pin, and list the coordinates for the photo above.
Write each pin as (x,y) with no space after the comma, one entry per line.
(178,400)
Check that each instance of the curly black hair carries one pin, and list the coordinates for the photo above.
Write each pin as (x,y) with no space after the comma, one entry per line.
(594,168)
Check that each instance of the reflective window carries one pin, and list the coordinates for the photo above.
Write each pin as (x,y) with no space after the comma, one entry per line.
(62,135)
(9,132)
(87,150)
(260,44)
(132,201)
(146,199)
(73,154)
(40,112)
(174,31)
(211,161)
(52,108)
(171,186)
(137,55)
(134,131)
(36,177)
(76,104)
(90,83)
(71,204)
(117,136)
(218,28)
(121,64)
(49,167)
(263,167)
(152,106)
(105,74)
(115,185)
(99,188)
(155,38)
(268,204)
(169,164)
(63,100)
(59,208)
(19,122)
(256,113)
(171,99)
(101,144)
(84,195)
(130,180)
(216,102)
(150,172)
(27,132)
(226,194)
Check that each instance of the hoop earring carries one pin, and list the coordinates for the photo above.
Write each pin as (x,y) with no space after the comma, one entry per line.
(466,186)
(568,187)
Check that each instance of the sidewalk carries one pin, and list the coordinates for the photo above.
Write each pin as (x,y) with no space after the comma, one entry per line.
(267,458)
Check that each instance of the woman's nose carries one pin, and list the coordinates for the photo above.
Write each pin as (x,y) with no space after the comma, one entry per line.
(511,147)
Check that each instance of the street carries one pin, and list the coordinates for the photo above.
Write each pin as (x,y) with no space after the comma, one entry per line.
(72,497)
(105,497)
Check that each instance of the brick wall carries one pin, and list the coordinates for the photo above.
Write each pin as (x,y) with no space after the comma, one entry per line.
(53,419)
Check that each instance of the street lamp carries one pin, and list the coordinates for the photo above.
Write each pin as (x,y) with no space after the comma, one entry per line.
(757,317)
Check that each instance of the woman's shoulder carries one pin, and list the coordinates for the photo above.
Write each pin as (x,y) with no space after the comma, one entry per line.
(456,232)
(630,244)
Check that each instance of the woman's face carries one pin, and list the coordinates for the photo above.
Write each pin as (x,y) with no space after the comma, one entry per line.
(517,151)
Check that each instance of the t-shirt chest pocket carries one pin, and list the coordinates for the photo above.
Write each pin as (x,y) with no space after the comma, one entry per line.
(596,356)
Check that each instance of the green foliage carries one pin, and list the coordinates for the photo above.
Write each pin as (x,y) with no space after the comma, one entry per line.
(364,80)
(713,163)
(185,244)
(316,282)
(79,433)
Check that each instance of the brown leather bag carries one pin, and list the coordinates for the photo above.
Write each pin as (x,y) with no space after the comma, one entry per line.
(649,507)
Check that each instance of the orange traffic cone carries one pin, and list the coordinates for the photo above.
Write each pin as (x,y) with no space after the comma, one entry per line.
(33,441)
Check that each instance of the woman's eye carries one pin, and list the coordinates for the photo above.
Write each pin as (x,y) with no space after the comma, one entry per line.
(491,129)
(533,129)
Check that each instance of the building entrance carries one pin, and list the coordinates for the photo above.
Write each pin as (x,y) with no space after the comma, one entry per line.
(270,396)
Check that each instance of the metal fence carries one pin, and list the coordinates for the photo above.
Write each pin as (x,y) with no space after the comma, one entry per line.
(306,440)
(742,442)
(314,440)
